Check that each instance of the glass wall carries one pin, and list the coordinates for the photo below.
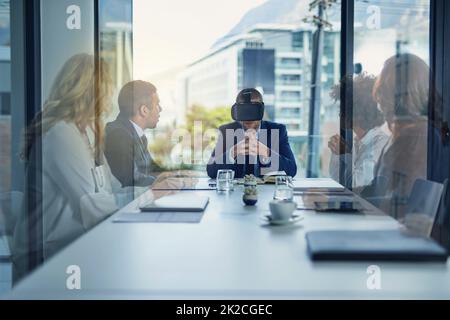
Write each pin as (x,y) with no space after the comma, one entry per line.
(5,147)
(391,106)
(5,97)
(58,114)
(116,42)
(199,71)
(83,56)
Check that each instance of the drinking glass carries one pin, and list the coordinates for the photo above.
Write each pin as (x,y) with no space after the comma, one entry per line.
(225,180)
(284,189)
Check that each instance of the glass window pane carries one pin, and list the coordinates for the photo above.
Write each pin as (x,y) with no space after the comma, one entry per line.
(116,43)
(6,198)
(391,95)
(5,98)
(257,44)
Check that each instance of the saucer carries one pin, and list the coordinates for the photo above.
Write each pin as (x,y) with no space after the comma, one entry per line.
(294,219)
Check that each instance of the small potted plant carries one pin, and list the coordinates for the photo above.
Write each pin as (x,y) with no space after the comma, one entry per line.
(250,196)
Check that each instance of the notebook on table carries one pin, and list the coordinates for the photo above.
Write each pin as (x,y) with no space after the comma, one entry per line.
(178,203)
(318,185)
(392,245)
(337,206)
(177,208)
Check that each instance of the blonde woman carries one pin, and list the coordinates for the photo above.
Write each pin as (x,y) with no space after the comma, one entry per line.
(63,148)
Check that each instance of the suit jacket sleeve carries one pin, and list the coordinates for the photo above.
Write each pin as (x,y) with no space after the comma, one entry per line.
(286,158)
(119,151)
(219,159)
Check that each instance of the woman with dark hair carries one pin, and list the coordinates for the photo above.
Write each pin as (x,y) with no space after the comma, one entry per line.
(369,136)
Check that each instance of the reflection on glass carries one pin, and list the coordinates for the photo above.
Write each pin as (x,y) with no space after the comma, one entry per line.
(116,41)
(361,158)
(200,73)
(392,42)
(402,92)
(8,198)
(70,187)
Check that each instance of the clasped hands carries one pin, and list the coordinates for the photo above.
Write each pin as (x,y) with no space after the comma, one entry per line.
(171,182)
(251,146)
(337,145)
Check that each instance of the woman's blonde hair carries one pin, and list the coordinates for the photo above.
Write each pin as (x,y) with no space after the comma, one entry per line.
(81,94)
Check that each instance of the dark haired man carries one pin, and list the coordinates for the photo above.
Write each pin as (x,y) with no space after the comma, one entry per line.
(125,143)
(252,147)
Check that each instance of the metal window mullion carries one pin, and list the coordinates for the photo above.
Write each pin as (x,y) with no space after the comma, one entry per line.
(346,99)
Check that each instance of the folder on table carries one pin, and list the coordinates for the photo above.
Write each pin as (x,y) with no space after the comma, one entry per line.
(391,245)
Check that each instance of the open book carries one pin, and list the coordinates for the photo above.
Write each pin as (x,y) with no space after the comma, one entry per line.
(269,178)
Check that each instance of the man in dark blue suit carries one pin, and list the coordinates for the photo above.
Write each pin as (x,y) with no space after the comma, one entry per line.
(252,146)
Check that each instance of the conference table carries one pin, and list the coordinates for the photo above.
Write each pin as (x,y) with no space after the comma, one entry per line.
(231,254)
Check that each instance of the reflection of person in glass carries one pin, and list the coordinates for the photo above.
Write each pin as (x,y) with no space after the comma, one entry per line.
(369,136)
(63,147)
(254,145)
(402,93)
(126,145)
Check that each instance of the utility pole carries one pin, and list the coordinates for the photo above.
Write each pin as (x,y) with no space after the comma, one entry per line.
(316,83)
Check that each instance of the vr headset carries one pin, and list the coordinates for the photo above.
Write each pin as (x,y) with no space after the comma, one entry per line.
(247,110)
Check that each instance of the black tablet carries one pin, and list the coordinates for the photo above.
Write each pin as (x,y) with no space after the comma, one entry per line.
(338,206)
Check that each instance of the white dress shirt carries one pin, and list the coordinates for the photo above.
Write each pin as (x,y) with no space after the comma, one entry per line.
(366,154)
(140,132)
(77,194)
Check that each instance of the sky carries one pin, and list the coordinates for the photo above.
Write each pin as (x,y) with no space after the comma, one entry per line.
(172,33)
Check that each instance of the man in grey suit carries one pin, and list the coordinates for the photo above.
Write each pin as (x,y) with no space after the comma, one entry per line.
(126,146)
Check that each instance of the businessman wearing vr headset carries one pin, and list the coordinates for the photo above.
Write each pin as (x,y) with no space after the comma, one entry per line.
(250,145)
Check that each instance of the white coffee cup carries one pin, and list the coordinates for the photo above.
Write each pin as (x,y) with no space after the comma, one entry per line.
(282,210)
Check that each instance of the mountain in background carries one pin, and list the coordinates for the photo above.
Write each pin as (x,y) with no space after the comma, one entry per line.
(272,11)
(294,11)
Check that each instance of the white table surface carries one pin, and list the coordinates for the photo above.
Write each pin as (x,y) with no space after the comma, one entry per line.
(231,254)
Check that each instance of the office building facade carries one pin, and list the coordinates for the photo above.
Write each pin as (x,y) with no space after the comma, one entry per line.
(276,59)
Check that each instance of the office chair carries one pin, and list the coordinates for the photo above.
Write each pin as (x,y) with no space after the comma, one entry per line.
(422,206)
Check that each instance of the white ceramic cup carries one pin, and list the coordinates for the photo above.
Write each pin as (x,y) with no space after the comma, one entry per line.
(282,210)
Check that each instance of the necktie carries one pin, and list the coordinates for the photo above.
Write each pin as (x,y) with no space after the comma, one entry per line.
(145,155)
(249,165)
(144,141)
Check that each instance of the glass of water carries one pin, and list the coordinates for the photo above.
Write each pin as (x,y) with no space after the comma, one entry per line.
(225,180)
(284,189)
